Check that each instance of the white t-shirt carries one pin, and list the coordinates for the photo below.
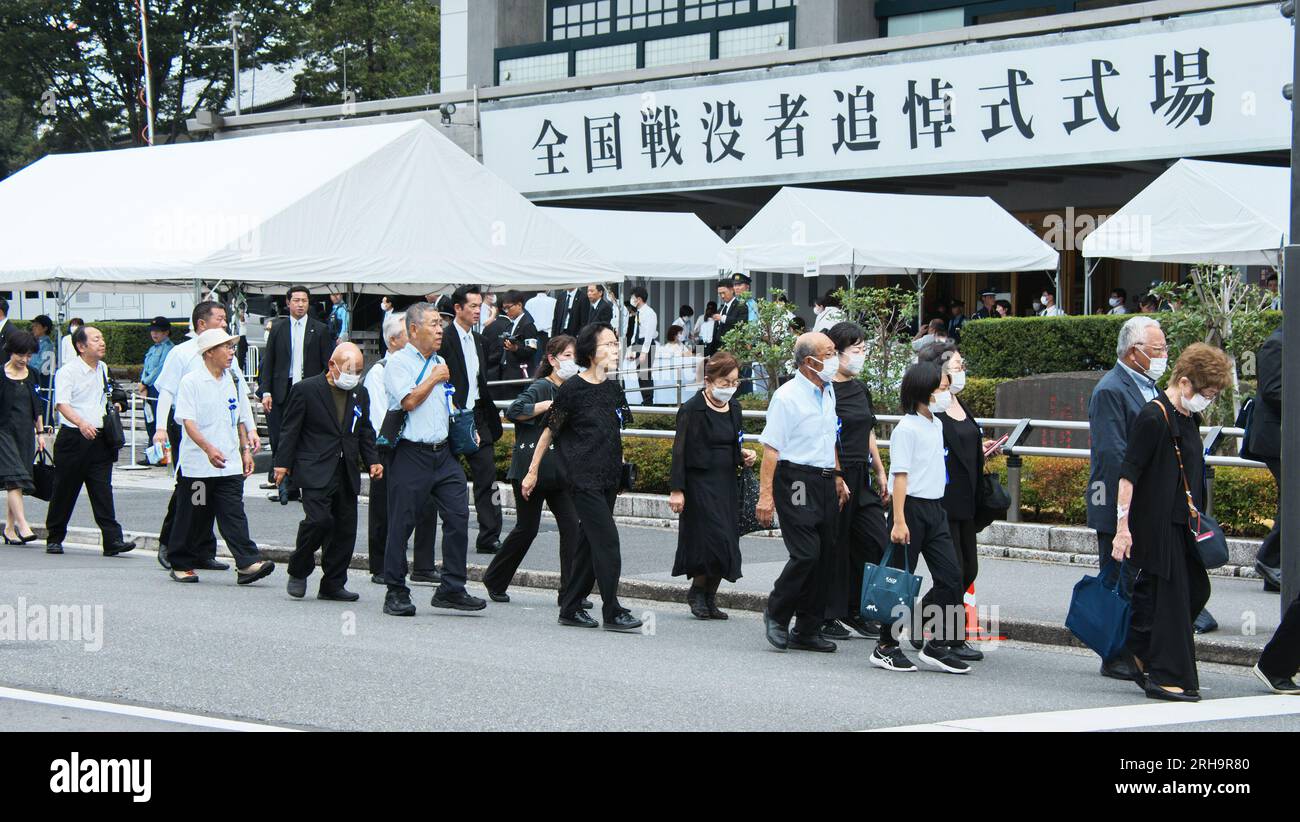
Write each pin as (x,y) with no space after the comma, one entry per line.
(916,449)
(216,405)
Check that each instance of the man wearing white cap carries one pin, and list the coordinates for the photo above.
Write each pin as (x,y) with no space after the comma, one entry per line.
(215,457)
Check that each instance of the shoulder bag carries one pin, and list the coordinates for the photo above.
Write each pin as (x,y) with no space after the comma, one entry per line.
(1211,542)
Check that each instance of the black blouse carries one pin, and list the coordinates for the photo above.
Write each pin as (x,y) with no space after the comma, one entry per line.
(706,439)
(857,419)
(586,421)
(964,461)
(528,429)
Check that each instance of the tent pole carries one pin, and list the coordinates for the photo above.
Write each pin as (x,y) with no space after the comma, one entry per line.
(920,301)
(1087,284)
(1056,280)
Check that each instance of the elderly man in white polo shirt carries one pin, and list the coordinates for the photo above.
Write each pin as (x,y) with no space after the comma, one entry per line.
(82,454)
(216,455)
(802,482)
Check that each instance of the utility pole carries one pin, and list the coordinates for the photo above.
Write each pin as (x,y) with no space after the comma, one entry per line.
(1289,503)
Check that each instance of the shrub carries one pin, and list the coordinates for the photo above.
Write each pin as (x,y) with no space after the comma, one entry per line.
(981,394)
(1022,346)
(1243,500)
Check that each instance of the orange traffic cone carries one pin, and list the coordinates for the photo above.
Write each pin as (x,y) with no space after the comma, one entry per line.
(973,630)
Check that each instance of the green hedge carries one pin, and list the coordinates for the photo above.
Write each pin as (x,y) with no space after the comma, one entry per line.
(981,395)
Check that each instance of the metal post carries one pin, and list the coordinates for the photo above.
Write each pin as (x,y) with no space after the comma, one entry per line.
(148,72)
(132,465)
(1209,490)
(1290,456)
(1014,464)
(236,19)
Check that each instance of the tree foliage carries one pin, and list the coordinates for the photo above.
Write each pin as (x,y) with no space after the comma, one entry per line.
(883,314)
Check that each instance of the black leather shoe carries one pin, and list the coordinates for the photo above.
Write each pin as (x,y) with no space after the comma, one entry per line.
(623,623)
(867,629)
(426,576)
(119,548)
(1156,692)
(712,601)
(260,569)
(1205,623)
(695,597)
(832,629)
(1122,668)
(498,596)
(1277,684)
(162,558)
(777,634)
(398,603)
(340,595)
(1272,576)
(458,601)
(213,564)
(297,588)
(813,641)
(378,579)
(488,549)
(579,619)
(54,548)
(965,652)
(585,605)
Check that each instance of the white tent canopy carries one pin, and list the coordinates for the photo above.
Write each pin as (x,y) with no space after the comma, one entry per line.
(654,245)
(1201,212)
(394,208)
(847,233)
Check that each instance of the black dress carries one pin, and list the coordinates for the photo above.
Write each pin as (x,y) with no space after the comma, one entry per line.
(586,422)
(19,409)
(706,454)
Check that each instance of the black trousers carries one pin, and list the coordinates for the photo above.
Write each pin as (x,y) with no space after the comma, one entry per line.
(860,538)
(1281,655)
(77,462)
(329,525)
(151,419)
(487,505)
(598,557)
(273,418)
(202,501)
(1160,631)
(528,518)
(941,615)
(968,556)
(426,523)
(808,507)
(418,473)
(206,541)
(1270,552)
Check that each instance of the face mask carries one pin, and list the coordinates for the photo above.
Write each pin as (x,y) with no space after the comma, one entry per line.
(942,402)
(722,395)
(854,363)
(829,368)
(567,369)
(957,382)
(346,381)
(1116,302)
(1044,300)
(1196,403)
(1156,366)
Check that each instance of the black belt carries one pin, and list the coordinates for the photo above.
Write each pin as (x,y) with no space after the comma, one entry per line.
(432,447)
(807,469)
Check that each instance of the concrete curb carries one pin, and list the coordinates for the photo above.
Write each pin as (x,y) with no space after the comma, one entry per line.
(1020,630)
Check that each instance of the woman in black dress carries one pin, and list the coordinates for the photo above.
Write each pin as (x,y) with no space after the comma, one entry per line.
(861,535)
(1157,523)
(21,432)
(963,447)
(706,455)
(585,422)
(528,412)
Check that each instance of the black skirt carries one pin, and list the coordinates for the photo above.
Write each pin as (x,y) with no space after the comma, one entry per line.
(17,439)
(708,543)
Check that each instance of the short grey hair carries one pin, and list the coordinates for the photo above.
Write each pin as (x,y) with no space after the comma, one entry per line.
(1133,333)
(416,314)
(394,326)
(803,349)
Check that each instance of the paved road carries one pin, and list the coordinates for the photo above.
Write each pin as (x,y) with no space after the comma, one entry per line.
(252,655)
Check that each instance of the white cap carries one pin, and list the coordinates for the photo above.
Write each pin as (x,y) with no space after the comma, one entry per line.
(212,338)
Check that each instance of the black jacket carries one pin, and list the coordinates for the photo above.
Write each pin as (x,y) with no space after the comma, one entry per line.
(738,314)
(964,466)
(528,430)
(487,417)
(522,362)
(311,440)
(604,313)
(691,420)
(317,347)
(569,321)
(1266,422)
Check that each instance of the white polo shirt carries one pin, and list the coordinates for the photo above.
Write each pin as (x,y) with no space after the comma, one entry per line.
(82,387)
(182,360)
(916,449)
(801,423)
(216,405)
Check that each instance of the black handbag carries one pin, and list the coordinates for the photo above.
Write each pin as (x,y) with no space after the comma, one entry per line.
(747,494)
(43,476)
(991,501)
(1211,542)
(113,433)
(460,429)
(627,477)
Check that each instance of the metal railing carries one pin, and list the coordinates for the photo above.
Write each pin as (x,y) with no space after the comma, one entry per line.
(1014,449)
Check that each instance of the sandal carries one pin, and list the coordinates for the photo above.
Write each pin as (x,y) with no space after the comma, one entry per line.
(256,571)
(184,576)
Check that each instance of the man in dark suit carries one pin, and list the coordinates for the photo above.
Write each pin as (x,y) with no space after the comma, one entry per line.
(5,328)
(1119,396)
(466,359)
(731,313)
(522,344)
(1265,445)
(570,313)
(325,435)
(599,309)
(298,347)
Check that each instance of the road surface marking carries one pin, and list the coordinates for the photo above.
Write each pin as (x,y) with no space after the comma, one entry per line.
(136,711)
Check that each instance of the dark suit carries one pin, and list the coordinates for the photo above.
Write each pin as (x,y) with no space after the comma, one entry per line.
(275,377)
(603,313)
(522,362)
(487,420)
(570,319)
(732,317)
(1114,404)
(1266,434)
(4,334)
(324,455)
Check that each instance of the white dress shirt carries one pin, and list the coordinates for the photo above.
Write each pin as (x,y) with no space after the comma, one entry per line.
(374,385)
(82,387)
(542,310)
(217,405)
(916,449)
(647,324)
(470,351)
(1054,311)
(1144,383)
(298,330)
(801,423)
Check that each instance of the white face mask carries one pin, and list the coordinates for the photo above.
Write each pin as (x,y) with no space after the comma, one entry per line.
(957,381)
(942,402)
(567,369)
(722,395)
(1197,403)
(1044,300)
(830,367)
(1116,302)
(1156,366)
(853,363)
(346,381)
